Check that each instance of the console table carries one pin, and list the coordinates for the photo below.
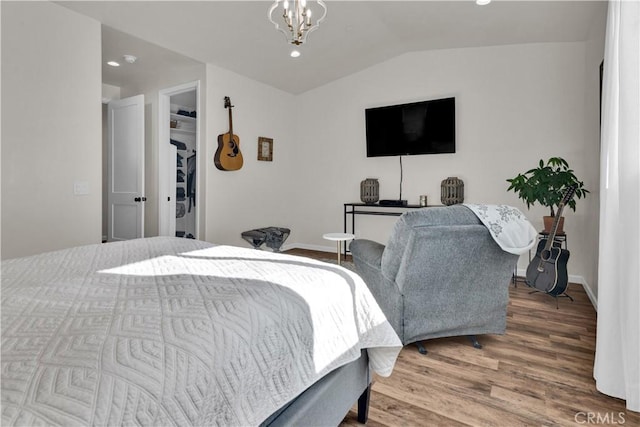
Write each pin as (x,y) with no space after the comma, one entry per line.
(354,209)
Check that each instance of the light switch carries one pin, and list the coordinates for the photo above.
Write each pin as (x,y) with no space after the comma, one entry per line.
(80,188)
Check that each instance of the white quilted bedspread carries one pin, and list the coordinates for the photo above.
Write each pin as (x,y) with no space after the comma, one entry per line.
(166,331)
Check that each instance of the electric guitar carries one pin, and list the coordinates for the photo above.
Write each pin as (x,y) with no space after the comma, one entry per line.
(228,156)
(547,271)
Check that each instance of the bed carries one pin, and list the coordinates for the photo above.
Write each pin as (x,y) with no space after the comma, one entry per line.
(168,331)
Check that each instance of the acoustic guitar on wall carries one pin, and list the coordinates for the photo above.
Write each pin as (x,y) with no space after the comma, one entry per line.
(228,156)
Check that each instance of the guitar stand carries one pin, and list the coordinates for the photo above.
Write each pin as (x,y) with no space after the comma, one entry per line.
(562,295)
(515,279)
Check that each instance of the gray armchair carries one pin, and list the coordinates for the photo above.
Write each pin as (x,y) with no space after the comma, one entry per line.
(440,275)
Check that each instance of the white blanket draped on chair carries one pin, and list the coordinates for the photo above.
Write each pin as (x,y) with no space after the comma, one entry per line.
(508,226)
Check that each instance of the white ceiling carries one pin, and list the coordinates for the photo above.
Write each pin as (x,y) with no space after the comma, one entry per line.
(237,35)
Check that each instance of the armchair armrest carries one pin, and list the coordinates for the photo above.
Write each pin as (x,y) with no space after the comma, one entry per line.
(367,257)
(367,252)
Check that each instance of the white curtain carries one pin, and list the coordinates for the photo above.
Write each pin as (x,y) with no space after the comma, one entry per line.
(617,364)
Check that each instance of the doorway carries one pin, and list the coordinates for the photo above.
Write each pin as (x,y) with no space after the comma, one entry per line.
(178,174)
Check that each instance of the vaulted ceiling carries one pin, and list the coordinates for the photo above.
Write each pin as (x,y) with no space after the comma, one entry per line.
(237,35)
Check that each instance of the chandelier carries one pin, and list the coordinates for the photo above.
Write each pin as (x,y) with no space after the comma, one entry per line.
(296,17)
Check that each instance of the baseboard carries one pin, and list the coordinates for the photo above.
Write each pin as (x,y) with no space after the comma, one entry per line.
(288,246)
(573,279)
(587,289)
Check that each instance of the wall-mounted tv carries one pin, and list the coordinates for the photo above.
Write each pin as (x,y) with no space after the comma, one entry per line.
(426,127)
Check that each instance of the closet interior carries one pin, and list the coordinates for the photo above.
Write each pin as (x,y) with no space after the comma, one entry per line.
(183,128)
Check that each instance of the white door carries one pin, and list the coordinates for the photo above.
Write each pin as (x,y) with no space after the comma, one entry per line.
(126,169)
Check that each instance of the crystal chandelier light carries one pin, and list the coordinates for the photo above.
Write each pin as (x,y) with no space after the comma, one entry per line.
(296,18)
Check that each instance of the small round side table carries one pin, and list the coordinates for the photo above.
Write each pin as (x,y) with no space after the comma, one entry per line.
(339,238)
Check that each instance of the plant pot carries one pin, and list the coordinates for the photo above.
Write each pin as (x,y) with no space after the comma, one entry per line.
(548,224)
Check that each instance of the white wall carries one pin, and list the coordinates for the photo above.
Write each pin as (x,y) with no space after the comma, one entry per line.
(257,195)
(594,54)
(110,93)
(515,105)
(51,128)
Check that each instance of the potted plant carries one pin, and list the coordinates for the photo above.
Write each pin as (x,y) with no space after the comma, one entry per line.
(546,185)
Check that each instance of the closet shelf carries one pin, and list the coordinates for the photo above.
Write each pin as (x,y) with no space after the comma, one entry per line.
(181,117)
(191,132)
(183,131)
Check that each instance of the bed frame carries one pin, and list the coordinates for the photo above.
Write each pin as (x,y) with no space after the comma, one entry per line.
(329,400)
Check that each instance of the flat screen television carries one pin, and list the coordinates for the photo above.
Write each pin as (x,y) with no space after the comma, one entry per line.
(426,127)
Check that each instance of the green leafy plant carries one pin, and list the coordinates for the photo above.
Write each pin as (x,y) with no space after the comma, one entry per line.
(546,184)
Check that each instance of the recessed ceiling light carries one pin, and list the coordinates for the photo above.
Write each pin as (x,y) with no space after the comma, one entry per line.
(113,63)
(483,2)
(130,58)
(295,53)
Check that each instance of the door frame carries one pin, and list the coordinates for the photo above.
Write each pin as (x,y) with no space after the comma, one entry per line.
(164,191)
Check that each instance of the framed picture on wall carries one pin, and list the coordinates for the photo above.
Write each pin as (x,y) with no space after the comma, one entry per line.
(265,149)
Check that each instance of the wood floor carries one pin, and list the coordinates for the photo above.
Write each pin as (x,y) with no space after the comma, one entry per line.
(538,374)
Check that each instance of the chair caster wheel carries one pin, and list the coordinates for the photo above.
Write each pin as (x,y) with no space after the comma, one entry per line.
(475,342)
(421,348)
